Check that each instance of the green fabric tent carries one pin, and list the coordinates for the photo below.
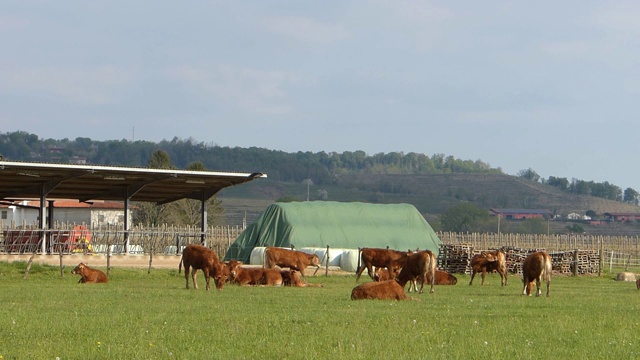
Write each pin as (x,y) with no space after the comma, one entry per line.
(337,225)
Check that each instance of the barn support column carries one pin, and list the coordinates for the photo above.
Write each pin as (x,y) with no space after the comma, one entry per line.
(50,220)
(126,224)
(203,219)
(42,221)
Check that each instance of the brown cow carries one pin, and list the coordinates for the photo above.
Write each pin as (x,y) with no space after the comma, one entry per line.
(89,275)
(292,278)
(488,261)
(441,278)
(384,274)
(379,290)
(205,259)
(292,259)
(380,258)
(536,267)
(421,264)
(256,276)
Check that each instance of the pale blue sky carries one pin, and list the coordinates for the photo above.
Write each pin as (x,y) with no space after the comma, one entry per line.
(549,85)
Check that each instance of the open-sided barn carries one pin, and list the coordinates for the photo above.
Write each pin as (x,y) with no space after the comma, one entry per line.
(318,224)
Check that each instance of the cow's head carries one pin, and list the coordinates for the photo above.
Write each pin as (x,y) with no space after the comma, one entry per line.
(78,269)
(232,268)
(452,279)
(315,260)
(219,275)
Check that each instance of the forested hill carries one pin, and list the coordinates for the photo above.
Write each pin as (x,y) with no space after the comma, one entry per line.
(320,167)
(412,177)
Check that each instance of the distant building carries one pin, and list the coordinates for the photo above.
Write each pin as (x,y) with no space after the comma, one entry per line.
(621,216)
(521,214)
(66,211)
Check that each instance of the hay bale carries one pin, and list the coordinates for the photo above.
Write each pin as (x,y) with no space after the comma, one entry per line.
(626,276)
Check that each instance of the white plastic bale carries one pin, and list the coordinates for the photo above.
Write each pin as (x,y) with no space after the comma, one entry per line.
(334,255)
(349,260)
(257,255)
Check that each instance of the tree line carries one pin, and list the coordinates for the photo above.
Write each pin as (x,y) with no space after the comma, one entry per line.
(322,167)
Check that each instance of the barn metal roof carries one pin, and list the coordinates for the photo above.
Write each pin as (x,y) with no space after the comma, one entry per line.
(22,180)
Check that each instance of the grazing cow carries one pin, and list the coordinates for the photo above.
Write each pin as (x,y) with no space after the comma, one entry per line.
(89,275)
(379,258)
(536,267)
(488,261)
(202,258)
(292,278)
(292,259)
(379,290)
(421,264)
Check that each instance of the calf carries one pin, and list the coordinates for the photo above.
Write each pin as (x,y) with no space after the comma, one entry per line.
(536,266)
(202,258)
(379,258)
(444,278)
(441,278)
(256,276)
(488,261)
(384,274)
(292,278)
(419,265)
(379,290)
(292,259)
(89,275)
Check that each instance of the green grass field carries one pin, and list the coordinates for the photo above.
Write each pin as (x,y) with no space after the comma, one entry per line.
(152,316)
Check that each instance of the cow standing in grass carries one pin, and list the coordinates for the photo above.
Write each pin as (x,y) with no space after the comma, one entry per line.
(380,258)
(202,258)
(536,267)
(420,265)
(292,259)
(488,261)
(89,275)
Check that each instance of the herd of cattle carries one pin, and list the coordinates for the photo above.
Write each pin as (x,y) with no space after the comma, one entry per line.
(390,270)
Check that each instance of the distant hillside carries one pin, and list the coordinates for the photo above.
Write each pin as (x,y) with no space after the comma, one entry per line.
(430,194)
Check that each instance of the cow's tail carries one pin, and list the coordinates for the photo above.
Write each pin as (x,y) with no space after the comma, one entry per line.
(180,265)
(432,270)
(547,268)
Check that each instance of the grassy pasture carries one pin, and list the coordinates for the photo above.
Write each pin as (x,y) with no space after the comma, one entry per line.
(152,316)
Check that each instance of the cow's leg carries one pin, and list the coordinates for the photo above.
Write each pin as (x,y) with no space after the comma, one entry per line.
(503,277)
(186,274)
(207,278)
(524,289)
(193,277)
(432,280)
(370,272)
(538,291)
(473,274)
(484,273)
(421,283)
(548,285)
(359,272)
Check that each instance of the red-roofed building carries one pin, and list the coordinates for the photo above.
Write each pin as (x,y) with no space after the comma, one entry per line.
(66,211)
(520,214)
(622,216)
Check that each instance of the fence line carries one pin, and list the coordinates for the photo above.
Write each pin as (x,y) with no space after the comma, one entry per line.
(616,251)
